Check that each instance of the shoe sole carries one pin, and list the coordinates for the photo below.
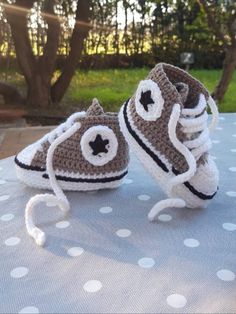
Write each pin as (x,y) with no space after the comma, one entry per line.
(157,168)
(37,178)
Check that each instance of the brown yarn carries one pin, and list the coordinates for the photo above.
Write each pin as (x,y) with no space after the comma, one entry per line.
(156,132)
(68,156)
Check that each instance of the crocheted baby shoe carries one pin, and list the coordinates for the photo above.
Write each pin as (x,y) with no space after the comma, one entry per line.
(165,124)
(87,152)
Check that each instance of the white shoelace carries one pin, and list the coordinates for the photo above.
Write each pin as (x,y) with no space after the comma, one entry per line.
(191,125)
(56,137)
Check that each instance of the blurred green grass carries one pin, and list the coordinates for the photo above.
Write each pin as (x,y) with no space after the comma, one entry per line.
(113,87)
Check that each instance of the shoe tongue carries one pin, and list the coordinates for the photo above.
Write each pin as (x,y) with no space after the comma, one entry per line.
(95,109)
(183,90)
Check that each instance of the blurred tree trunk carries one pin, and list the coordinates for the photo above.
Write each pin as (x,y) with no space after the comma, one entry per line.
(125,5)
(79,34)
(227,35)
(38,72)
(227,74)
(117,39)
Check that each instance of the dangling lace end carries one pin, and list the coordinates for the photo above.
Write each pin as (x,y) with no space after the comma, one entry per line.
(37,234)
(170,202)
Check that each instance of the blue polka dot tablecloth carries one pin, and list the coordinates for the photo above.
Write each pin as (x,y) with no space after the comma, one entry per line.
(106,257)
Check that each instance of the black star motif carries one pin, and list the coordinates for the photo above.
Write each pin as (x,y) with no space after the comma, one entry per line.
(99,145)
(146,99)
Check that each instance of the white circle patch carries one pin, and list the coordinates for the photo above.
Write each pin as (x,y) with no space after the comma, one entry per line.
(12,241)
(191,242)
(29,310)
(92,286)
(148,100)
(164,217)
(7,217)
(146,262)
(123,233)
(75,251)
(176,300)
(99,145)
(225,275)
(229,226)
(19,272)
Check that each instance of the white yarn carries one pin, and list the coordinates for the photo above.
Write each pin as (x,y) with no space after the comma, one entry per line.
(90,135)
(170,202)
(35,179)
(215,113)
(155,109)
(196,110)
(181,178)
(190,124)
(180,191)
(62,127)
(199,145)
(172,124)
(33,231)
(59,198)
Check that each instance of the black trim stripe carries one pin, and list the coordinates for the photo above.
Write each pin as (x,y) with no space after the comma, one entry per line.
(158,161)
(27,167)
(84,180)
(68,179)
(193,190)
(141,143)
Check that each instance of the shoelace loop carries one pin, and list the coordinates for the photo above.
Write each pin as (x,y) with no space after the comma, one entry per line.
(57,136)
(198,145)
(63,127)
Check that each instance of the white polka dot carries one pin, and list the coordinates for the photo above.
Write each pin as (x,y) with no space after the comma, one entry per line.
(51,204)
(213,157)
(144,197)
(146,262)
(219,128)
(229,226)
(29,310)
(235,123)
(7,217)
(4,197)
(221,118)
(231,193)
(225,275)
(123,233)
(19,272)
(233,169)
(191,242)
(105,210)
(12,241)
(215,141)
(62,224)
(233,150)
(2,181)
(92,286)
(234,135)
(176,300)
(0,168)
(127,181)
(75,251)
(164,217)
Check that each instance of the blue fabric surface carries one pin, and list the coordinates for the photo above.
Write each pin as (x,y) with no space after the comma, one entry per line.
(106,257)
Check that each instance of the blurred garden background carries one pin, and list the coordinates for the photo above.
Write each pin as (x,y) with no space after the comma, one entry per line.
(56,55)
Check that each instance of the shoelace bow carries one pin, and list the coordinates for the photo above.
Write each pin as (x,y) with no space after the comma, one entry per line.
(190,126)
(55,137)
(191,149)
